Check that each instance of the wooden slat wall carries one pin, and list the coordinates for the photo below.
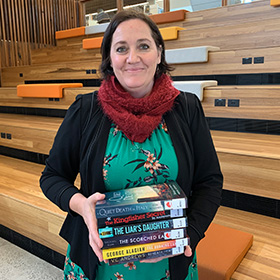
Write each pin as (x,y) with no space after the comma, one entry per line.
(31,24)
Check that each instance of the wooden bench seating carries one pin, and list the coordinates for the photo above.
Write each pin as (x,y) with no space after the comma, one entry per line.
(30,133)
(23,206)
(59,54)
(250,162)
(65,71)
(8,97)
(23,199)
(46,227)
(260,102)
(219,62)
(233,62)
(231,27)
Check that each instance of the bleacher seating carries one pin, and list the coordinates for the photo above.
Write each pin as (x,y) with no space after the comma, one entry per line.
(8,194)
(9,98)
(249,161)
(252,101)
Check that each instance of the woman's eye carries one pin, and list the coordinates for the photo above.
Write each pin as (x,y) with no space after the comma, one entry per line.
(121,49)
(144,47)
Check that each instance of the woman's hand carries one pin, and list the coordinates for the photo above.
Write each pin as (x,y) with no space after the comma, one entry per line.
(86,208)
(187,252)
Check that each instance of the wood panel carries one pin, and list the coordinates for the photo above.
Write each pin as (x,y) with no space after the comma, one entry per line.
(251,175)
(263,259)
(220,62)
(30,133)
(230,62)
(250,162)
(8,97)
(24,208)
(255,102)
(32,24)
(254,25)
(248,144)
(14,76)
(64,54)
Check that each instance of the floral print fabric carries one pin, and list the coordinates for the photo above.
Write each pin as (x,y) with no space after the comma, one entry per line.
(153,161)
(130,164)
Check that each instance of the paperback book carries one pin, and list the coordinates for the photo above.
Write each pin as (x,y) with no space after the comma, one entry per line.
(144,217)
(143,248)
(123,230)
(143,238)
(154,198)
(149,255)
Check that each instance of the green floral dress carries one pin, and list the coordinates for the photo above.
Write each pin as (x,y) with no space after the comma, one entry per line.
(130,164)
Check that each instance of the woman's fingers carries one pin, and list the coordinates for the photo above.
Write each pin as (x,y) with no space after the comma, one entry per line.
(91,222)
(95,247)
(188,251)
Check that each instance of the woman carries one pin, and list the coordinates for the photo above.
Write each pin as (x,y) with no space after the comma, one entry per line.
(137,116)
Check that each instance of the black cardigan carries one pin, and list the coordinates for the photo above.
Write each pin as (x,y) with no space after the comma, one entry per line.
(80,145)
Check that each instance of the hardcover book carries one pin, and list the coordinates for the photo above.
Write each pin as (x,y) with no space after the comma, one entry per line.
(144,217)
(109,232)
(154,198)
(149,255)
(143,248)
(143,238)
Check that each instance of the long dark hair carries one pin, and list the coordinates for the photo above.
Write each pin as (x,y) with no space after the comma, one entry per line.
(105,68)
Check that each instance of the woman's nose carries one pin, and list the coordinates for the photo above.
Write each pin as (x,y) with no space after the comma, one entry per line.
(133,57)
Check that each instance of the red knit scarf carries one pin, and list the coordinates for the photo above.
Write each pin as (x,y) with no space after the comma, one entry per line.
(137,117)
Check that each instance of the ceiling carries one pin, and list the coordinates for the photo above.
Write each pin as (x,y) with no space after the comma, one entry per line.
(93,5)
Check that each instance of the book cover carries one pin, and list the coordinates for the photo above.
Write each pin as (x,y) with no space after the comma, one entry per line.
(143,199)
(109,232)
(142,248)
(144,217)
(143,238)
(150,255)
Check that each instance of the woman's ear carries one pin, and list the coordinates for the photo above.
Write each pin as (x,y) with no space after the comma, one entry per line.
(159,54)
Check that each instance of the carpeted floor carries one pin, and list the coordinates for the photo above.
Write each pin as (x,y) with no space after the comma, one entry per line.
(18,264)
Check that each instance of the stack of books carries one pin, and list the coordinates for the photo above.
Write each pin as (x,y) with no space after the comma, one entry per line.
(143,223)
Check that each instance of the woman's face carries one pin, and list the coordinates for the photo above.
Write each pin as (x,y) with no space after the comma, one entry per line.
(134,57)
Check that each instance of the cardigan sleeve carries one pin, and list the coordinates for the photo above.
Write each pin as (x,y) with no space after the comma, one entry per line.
(62,165)
(207,179)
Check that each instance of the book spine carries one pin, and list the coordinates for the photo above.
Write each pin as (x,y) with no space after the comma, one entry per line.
(108,232)
(149,255)
(145,217)
(143,238)
(138,208)
(142,248)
